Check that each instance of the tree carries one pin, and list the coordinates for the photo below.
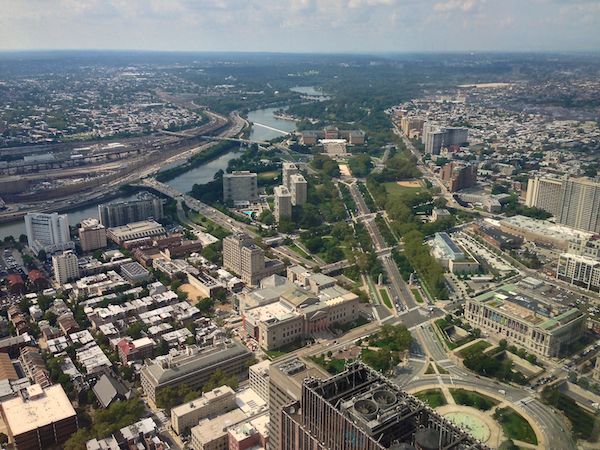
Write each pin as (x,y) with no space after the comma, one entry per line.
(23,239)
(502,344)
(78,440)
(42,255)
(205,305)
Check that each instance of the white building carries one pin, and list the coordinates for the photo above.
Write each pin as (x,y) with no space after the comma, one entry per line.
(65,267)
(48,232)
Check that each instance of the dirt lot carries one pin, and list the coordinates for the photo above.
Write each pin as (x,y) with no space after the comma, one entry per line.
(410,183)
(193,293)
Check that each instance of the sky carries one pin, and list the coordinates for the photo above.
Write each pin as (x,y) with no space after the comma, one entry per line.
(356,26)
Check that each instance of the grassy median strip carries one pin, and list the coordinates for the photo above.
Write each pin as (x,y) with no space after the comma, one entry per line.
(417,295)
(386,297)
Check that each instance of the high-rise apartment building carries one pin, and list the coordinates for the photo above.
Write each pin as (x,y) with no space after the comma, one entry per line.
(48,232)
(459,176)
(357,408)
(435,137)
(585,247)
(243,257)
(288,169)
(298,188)
(240,187)
(92,235)
(578,270)
(122,213)
(434,140)
(283,203)
(572,202)
(65,267)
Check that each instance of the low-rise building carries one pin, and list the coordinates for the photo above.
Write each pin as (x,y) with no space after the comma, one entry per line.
(211,434)
(135,350)
(39,418)
(286,313)
(218,401)
(134,272)
(451,257)
(135,230)
(526,320)
(194,367)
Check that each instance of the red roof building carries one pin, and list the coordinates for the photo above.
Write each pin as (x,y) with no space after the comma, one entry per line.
(38,280)
(15,283)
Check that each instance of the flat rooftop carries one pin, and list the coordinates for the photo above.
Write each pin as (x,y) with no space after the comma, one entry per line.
(211,429)
(513,300)
(44,407)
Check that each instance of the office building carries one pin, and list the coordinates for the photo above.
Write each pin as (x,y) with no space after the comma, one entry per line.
(542,231)
(283,203)
(572,202)
(579,270)
(526,319)
(457,176)
(135,231)
(194,367)
(240,187)
(212,403)
(298,188)
(358,402)
(287,170)
(66,267)
(122,213)
(134,272)
(39,418)
(246,259)
(455,136)
(48,232)
(92,235)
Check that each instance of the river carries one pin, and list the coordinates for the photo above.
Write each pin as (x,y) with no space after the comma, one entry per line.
(264,117)
(184,182)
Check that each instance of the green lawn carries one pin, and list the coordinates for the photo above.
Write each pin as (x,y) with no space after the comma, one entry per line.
(417,295)
(441,370)
(473,399)
(268,175)
(394,190)
(515,426)
(430,370)
(475,348)
(386,297)
(433,397)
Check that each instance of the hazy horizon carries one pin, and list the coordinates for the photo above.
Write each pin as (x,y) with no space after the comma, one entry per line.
(302,26)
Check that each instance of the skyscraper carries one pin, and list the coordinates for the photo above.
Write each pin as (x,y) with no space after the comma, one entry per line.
(573,202)
(356,409)
(48,232)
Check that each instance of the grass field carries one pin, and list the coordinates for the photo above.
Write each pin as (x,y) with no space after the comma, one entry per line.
(433,397)
(268,175)
(430,370)
(418,296)
(386,298)
(395,190)
(475,348)
(515,426)
(473,399)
